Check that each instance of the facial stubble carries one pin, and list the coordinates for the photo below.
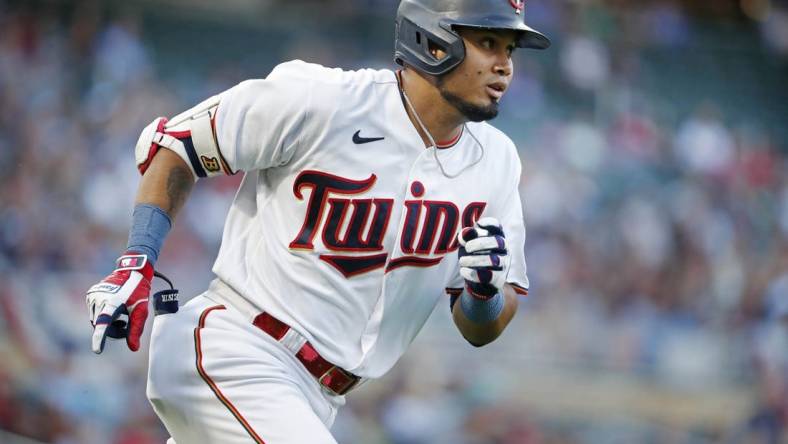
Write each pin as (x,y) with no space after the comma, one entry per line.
(471,111)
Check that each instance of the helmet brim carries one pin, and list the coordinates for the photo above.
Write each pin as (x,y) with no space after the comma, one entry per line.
(528,37)
(533,39)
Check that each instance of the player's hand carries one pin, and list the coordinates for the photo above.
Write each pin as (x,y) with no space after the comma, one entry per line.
(118,305)
(484,258)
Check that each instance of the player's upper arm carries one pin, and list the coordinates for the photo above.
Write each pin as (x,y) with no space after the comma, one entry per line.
(254,125)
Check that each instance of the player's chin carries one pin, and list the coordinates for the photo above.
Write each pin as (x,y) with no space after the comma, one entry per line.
(477,109)
(482,110)
(482,114)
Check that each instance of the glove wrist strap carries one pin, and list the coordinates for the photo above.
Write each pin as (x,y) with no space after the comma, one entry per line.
(131,262)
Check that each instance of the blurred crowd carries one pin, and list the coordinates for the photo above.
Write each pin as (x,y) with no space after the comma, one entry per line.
(655,190)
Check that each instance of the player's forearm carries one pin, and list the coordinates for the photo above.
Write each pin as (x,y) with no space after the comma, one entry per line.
(166,184)
(480,334)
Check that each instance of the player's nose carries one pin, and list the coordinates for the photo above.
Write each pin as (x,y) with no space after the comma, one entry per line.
(503,66)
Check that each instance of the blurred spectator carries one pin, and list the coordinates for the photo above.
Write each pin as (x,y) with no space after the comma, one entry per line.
(655,188)
(703,144)
(585,62)
(775,27)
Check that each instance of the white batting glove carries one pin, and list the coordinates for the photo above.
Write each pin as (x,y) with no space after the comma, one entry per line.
(483,257)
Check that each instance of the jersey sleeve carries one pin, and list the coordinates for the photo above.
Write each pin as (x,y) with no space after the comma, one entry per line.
(511,218)
(258,121)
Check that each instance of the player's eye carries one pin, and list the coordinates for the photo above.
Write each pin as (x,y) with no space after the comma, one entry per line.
(488,43)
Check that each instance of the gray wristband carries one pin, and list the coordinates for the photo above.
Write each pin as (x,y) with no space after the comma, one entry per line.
(150,225)
(481,311)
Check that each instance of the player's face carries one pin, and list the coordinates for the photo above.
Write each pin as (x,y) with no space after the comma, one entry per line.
(476,86)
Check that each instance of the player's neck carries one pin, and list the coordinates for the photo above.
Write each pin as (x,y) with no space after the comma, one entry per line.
(441,119)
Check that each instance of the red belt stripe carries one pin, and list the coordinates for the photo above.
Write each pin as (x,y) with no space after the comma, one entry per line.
(334,378)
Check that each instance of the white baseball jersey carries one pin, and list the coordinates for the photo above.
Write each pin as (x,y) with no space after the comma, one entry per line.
(345,226)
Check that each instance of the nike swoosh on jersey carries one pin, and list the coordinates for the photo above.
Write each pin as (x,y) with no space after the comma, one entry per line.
(358,140)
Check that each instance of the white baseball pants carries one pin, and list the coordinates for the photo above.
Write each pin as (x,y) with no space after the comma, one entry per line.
(214,377)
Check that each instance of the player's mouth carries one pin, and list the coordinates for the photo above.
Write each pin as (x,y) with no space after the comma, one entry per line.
(496,89)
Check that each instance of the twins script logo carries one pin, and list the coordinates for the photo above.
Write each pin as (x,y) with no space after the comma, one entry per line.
(428,231)
(518,5)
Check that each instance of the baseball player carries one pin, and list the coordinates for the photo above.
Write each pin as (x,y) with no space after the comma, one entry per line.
(367,197)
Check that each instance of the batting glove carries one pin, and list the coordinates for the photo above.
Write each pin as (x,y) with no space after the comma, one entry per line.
(118,305)
(483,258)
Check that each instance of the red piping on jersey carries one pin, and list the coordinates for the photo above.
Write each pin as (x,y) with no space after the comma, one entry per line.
(212,384)
(519,290)
(451,142)
(225,165)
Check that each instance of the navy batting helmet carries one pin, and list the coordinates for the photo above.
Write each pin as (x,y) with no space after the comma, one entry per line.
(423,23)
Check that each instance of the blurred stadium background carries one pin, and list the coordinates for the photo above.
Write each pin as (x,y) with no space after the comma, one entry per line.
(655,182)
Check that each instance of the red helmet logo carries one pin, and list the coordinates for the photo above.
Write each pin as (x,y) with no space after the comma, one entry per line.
(517,4)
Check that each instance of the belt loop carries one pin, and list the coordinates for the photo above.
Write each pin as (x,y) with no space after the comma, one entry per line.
(293,341)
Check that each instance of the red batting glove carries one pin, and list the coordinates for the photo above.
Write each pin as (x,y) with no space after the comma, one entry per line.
(118,305)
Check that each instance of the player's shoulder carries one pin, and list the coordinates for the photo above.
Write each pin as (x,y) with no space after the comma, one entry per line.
(327,77)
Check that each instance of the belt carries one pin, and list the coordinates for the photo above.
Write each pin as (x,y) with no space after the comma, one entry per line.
(336,379)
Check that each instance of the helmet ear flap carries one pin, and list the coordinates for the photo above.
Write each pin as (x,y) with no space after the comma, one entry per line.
(419,48)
